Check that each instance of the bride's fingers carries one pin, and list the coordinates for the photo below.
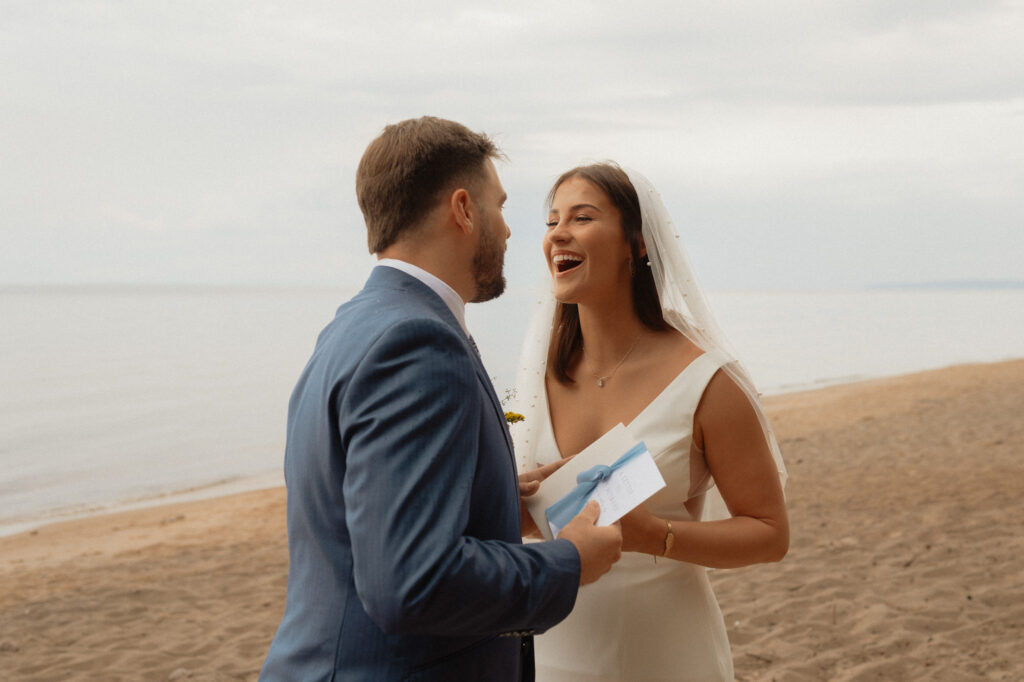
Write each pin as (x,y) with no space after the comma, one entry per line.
(555,466)
(527,488)
(540,473)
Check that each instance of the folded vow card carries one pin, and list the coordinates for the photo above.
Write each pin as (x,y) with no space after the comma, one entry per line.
(616,470)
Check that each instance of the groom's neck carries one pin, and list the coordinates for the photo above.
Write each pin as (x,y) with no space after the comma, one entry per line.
(439,262)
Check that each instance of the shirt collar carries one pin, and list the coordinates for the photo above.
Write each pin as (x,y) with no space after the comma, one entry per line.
(438,286)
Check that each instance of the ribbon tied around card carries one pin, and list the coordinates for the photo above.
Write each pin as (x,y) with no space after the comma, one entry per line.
(562,511)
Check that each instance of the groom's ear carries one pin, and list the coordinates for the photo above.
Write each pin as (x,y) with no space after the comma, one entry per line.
(463,211)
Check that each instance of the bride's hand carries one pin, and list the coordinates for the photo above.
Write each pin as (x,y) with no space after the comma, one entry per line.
(642,531)
(529,483)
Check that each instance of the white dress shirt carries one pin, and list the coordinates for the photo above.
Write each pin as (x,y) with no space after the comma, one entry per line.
(438,286)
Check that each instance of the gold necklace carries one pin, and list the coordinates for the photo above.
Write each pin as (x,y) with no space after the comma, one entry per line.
(601,380)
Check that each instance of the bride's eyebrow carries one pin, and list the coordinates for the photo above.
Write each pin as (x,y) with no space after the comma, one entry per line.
(577,207)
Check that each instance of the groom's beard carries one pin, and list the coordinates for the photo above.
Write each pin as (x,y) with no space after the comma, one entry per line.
(488,265)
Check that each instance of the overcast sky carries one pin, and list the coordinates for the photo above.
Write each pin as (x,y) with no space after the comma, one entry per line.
(798,144)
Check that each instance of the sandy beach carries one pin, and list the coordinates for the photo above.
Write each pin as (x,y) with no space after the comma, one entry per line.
(907,523)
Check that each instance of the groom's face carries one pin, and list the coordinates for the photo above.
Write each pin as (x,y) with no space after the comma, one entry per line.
(489,259)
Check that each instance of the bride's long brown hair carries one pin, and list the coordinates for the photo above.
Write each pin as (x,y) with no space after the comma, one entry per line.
(567,337)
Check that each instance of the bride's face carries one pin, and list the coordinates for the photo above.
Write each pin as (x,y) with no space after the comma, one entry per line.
(586,248)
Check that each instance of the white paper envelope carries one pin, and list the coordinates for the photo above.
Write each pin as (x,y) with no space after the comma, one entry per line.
(620,493)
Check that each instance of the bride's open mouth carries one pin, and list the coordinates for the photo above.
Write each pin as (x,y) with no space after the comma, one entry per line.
(565,262)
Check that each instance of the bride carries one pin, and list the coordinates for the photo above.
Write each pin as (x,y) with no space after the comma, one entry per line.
(627,337)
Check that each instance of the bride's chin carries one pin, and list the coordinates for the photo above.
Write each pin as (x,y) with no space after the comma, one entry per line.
(562,296)
(568,291)
(567,299)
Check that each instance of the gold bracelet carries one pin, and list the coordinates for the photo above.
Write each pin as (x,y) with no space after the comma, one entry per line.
(670,539)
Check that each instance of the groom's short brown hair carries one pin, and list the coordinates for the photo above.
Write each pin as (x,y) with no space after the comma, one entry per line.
(406,168)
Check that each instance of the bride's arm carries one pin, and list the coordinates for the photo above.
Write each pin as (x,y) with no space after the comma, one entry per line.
(744,471)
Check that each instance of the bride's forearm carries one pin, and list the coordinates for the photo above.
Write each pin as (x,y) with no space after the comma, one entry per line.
(729,543)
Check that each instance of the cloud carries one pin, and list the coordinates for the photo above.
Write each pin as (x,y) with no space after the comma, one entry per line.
(216,142)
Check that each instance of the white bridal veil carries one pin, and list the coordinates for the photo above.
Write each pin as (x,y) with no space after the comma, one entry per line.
(683,306)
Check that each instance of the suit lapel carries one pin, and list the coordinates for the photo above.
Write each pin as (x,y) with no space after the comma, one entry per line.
(391,278)
(488,388)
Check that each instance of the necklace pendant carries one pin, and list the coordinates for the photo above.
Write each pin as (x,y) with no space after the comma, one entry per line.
(606,377)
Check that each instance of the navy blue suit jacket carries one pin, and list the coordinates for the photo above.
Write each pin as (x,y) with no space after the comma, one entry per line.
(406,561)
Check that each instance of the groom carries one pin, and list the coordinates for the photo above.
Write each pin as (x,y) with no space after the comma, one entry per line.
(403,502)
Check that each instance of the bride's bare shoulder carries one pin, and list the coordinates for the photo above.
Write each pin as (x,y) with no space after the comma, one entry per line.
(674,350)
(725,407)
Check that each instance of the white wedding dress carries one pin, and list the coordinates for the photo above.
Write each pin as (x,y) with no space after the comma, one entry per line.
(645,620)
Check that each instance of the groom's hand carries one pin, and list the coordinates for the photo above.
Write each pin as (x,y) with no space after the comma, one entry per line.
(529,483)
(599,546)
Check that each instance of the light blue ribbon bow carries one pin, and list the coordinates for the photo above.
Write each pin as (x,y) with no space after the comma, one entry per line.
(561,512)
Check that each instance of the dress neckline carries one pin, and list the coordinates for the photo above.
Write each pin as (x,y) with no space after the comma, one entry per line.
(641,413)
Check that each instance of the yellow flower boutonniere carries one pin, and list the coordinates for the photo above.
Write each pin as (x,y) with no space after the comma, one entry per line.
(511,417)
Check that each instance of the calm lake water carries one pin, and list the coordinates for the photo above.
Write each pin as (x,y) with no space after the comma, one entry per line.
(111,396)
